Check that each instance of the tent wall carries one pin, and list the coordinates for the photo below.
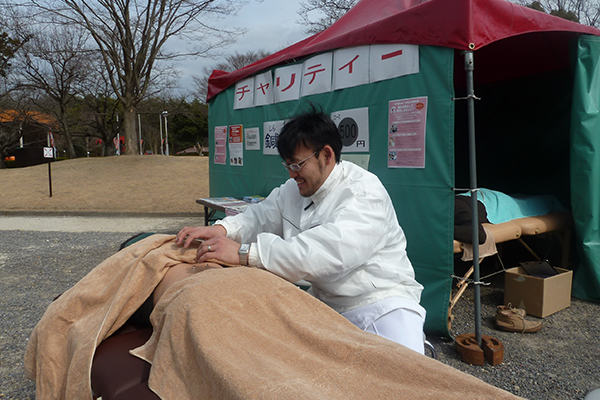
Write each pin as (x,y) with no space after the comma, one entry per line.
(585,166)
(423,198)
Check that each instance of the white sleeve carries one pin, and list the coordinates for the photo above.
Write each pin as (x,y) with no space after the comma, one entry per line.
(351,235)
(261,217)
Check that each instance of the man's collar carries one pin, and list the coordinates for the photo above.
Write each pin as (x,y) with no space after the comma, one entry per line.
(330,183)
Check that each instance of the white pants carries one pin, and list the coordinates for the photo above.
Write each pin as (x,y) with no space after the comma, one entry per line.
(402,326)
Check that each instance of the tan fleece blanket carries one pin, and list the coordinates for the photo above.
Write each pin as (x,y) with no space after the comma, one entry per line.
(241,333)
(61,348)
(233,333)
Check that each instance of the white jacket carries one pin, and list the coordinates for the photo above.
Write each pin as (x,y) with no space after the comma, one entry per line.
(345,239)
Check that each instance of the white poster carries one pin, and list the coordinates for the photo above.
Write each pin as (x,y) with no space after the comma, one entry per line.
(271,131)
(287,83)
(353,125)
(252,137)
(393,60)
(350,67)
(244,94)
(220,145)
(263,93)
(316,74)
(236,145)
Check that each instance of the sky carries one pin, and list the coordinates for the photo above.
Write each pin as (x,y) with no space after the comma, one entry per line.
(271,26)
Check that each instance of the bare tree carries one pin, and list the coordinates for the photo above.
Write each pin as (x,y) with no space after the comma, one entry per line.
(98,110)
(586,12)
(327,12)
(55,62)
(231,63)
(131,36)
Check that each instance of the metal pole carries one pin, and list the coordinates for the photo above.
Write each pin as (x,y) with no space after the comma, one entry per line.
(118,137)
(140,129)
(165,113)
(469,67)
(161,136)
(49,179)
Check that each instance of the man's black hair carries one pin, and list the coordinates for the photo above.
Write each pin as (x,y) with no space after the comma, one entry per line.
(314,130)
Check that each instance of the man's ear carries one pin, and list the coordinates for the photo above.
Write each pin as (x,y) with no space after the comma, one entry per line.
(329,154)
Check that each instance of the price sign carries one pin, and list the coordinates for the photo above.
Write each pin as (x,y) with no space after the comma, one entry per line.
(353,126)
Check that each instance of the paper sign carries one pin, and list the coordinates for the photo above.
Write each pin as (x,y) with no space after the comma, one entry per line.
(406,133)
(316,74)
(244,94)
(236,148)
(287,83)
(350,67)
(353,125)
(392,60)
(362,160)
(263,89)
(271,131)
(252,136)
(220,145)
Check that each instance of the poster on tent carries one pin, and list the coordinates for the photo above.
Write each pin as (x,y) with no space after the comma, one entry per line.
(353,126)
(236,145)
(221,145)
(271,131)
(406,133)
(252,138)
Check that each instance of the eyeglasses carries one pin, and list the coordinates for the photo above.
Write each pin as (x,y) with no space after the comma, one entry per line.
(298,166)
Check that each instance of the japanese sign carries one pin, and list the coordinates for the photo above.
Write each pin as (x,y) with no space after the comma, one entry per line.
(316,75)
(244,94)
(287,83)
(263,93)
(236,145)
(271,131)
(220,145)
(354,129)
(351,67)
(343,68)
(389,61)
(252,136)
(406,135)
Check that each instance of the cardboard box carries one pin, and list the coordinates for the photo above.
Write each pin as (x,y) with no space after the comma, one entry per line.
(536,295)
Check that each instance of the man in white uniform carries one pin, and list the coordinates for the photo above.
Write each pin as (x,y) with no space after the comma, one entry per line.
(331,224)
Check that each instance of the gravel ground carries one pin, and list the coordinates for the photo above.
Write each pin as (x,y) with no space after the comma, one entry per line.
(42,257)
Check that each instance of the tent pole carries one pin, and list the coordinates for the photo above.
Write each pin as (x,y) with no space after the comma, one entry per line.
(475,348)
(469,67)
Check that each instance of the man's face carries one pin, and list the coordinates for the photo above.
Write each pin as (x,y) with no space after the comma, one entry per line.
(314,172)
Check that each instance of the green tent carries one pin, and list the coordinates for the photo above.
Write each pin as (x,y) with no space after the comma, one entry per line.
(391,73)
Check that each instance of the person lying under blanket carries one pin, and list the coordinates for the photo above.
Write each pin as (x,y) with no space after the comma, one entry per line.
(496,207)
(226,333)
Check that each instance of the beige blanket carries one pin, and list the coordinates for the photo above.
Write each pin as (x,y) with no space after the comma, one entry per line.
(235,333)
(61,348)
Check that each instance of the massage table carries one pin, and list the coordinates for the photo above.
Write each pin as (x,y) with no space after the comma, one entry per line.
(557,223)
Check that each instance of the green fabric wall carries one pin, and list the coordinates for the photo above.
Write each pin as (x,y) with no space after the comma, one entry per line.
(585,166)
(423,198)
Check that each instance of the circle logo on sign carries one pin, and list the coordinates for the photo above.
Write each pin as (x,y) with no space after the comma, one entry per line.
(348,131)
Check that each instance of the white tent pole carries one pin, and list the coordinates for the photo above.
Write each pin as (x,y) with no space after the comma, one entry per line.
(469,67)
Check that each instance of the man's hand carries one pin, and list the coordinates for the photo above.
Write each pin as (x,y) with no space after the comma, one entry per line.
(219,248)
(189,234)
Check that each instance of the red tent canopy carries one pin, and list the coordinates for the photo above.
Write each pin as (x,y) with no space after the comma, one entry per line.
(458,24)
